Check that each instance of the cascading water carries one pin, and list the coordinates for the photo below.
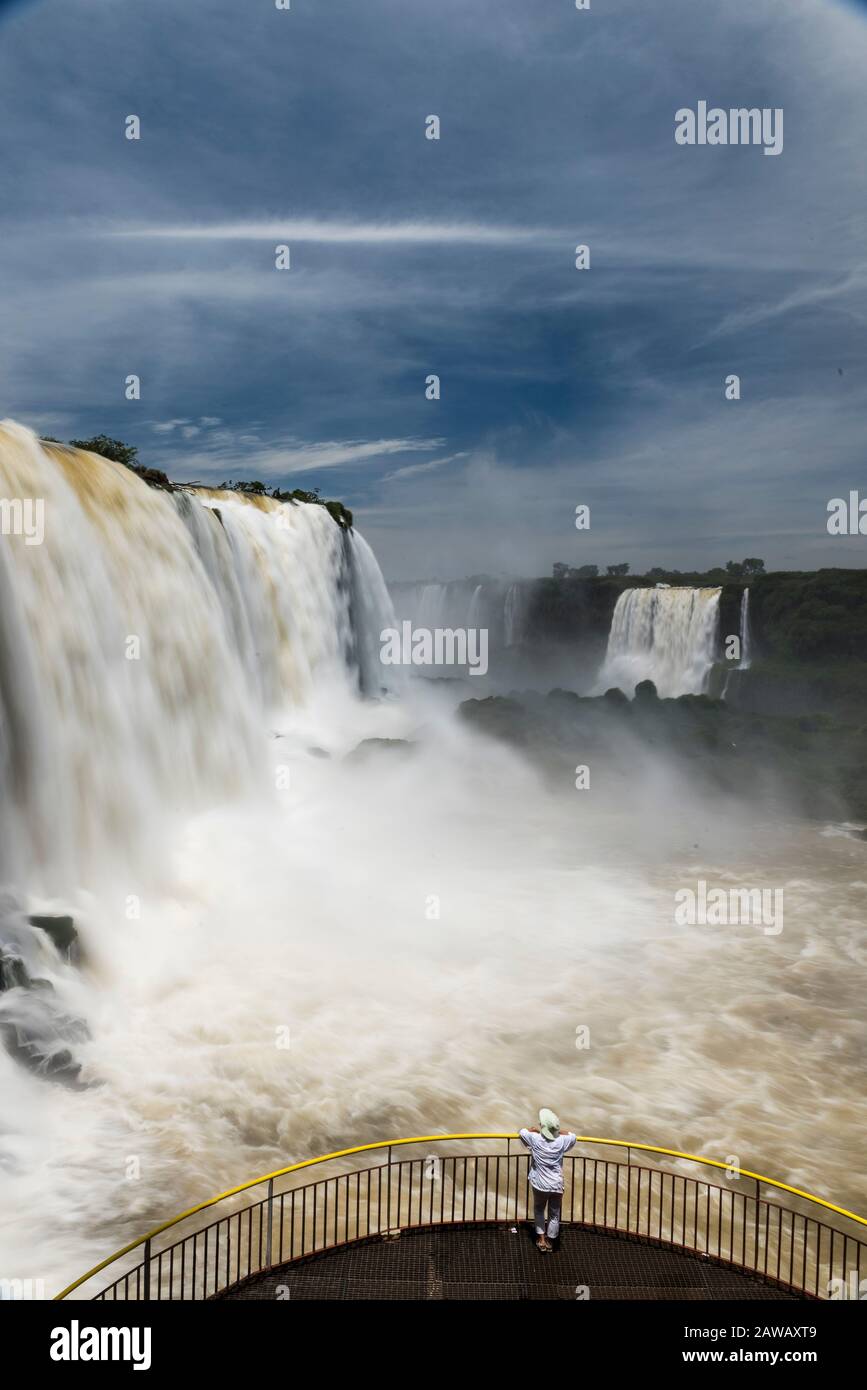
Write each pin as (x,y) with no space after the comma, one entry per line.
(746,642)
(666,635)
(147,639)
(498,607)
(514,614)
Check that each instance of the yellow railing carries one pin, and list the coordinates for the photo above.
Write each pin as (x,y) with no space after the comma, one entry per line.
(629,1146)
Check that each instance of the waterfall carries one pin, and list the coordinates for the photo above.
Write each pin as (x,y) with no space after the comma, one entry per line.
(514,614)
(667,635)
(746,644)
(147,640)
(501,608)
(431,610)
(474,617)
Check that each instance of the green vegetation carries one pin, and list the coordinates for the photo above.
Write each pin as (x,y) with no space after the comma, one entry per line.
(734,570)
(113,449)
(804,617)
(336,510)
(127,454)
(811,764)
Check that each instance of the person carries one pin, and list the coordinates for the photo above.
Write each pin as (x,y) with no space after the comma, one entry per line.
(547,1149)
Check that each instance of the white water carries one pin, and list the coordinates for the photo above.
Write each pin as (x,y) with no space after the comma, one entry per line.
(746,641)
(148,640)
(666,635)
(499,607)
(515,614)
(302,903)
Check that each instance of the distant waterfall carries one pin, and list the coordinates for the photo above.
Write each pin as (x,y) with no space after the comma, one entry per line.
(514,614)
(501,608)
(668,636)
(148,638)
(746,643)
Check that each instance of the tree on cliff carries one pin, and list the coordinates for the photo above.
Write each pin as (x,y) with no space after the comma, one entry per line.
(618,569)
(745,569)
(244,485)
(114,449)
(562,571)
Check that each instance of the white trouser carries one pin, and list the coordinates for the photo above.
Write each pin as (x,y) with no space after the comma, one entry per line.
(553,1201)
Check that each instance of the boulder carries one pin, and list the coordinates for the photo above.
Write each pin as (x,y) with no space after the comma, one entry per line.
(63,934)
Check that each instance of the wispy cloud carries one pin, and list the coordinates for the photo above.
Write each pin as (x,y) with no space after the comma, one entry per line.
(226,452)
(844,294)
(412,469)
(371,233)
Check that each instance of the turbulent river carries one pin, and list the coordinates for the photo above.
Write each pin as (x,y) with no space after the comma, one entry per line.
(425,926)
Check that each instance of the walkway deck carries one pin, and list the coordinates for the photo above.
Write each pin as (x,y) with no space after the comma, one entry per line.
(502,1263)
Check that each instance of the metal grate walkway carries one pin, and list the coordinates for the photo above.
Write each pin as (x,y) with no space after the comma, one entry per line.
(502,1263)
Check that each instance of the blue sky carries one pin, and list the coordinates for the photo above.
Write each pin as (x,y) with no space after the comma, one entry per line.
(454,257)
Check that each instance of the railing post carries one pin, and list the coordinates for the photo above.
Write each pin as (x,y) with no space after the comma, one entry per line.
(756,1238)
(147,1270)
(388,1209)
(628,1186)
(269,1239)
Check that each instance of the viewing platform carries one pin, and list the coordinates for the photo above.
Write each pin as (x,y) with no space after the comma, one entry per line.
(490,1262)
(447,1217)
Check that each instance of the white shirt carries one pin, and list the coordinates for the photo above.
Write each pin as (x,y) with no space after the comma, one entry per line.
(546,1169)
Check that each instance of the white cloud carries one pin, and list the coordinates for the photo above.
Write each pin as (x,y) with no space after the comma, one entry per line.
(413,468)
(312,229)
(167,426)
(234,453)
(842,294)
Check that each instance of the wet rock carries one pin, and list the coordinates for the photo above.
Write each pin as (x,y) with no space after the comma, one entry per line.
(42,1055)
(646,692)
(13,972)
(34,1029)
(501,717)
(154,477)
(63,933)
(373,745)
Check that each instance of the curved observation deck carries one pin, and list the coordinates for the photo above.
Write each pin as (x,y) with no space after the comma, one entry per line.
(447,1216)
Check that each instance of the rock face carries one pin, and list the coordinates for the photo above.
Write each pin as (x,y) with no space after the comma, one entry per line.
(645,692)
(154,477)
(34,1027)
(62,932)
(813,766)
(369,746)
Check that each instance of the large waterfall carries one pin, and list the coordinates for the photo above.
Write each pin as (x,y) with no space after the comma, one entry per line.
(147,639)
(666,635)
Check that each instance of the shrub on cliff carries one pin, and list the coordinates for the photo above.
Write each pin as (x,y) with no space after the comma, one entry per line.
(114,449)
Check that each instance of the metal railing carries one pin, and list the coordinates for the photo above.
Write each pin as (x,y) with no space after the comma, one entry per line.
(752,1222)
